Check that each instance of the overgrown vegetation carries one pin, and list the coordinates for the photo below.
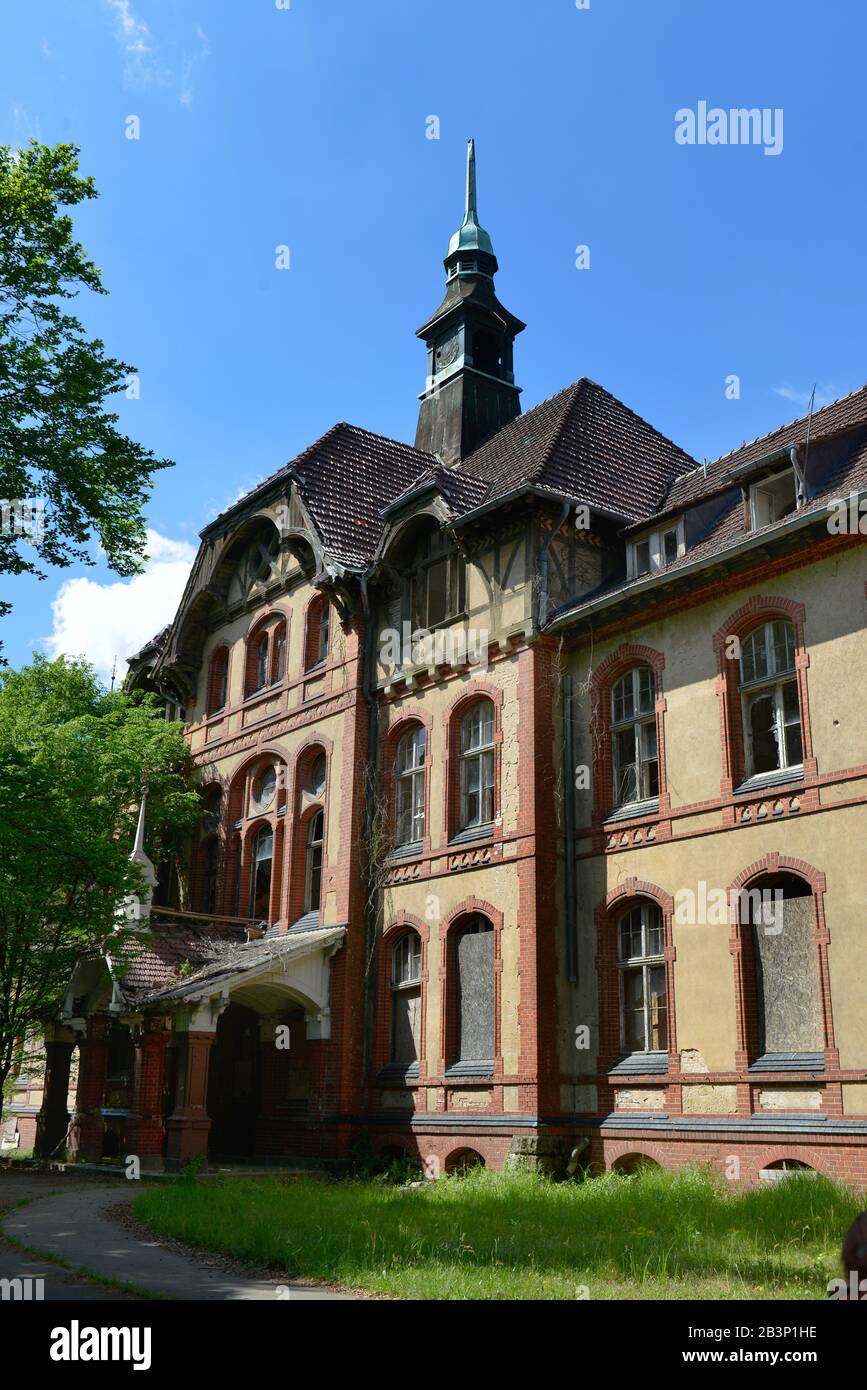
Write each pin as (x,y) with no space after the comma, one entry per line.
(658,1234)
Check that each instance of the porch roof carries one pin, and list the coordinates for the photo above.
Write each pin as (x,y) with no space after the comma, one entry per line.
(238,961)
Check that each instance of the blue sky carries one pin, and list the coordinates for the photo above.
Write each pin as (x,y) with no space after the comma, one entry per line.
(264,126)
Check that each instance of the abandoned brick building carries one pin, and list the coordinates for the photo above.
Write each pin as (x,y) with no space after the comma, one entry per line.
(506,742)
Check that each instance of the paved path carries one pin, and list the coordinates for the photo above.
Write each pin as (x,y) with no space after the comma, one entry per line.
(72,1225)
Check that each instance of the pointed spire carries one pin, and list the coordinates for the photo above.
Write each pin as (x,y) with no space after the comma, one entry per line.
(470,236)
(138,847)
(135,910)
(472,205)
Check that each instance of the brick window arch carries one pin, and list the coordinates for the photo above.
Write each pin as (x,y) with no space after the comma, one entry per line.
(407,759)
(779,945)
(265,659)
(208,850)
(762,688)
(473,764)
(257,810)
(306,888)
(402,996)
(317,632)
(628,709)
(635,960)
(218,680)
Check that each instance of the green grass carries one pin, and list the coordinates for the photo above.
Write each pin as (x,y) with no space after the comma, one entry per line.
(516,1236)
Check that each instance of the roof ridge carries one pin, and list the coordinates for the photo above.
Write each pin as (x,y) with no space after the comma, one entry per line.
(748,443)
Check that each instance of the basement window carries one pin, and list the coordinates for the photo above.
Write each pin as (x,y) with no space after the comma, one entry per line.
(773,498)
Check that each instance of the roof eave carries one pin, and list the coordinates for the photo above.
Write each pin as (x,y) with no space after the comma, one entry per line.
(655,582)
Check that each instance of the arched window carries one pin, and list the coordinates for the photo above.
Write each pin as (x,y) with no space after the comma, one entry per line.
(406,999)
(209,849)
(318,632)
(263,789)
(641,967)
(261,662)
(769,700)
(213,812)
(437,580)
(279,654)
(218,680)
(409,772)
(260,877)
(315,782)
(473,962)
(477,766)
(210,866)
(313,874)
(634,756)
(266,655)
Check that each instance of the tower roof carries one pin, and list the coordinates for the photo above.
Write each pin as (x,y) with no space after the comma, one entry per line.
(470,236)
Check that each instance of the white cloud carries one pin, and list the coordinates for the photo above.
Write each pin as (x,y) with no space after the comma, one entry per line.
(824,396)
(106,623)
(143,65)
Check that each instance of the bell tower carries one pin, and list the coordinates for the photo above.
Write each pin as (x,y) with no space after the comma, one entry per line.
(470,391)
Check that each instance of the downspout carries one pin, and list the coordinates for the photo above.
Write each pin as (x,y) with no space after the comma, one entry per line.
(800,474)
(370,911)
(569,833)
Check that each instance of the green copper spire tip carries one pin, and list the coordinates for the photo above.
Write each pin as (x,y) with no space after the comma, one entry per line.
(471,213)
(471,237)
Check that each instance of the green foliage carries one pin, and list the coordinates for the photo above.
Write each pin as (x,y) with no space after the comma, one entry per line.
(517,1235)
(73,760)
(58,441)
(393,1169)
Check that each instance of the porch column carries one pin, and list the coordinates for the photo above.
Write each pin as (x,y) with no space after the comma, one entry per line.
(146,1132)
(88,1126)
(52,1121)
(189,1125)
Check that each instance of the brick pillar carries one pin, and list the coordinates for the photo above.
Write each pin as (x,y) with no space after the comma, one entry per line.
(53,1119)
(146,1131)
(189,1125)
(88,1126)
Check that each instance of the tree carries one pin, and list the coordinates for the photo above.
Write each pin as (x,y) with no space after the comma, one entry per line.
(58,441)
(73,759)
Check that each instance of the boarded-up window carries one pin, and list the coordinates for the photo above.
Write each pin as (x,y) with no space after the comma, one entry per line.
(475,982)
(785,967)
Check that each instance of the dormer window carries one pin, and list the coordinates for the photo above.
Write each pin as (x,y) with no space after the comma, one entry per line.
(773,498)
(437,583)
(655,550)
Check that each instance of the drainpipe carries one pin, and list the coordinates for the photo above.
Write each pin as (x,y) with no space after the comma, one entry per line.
(800,476)
(370,913)
(569,833)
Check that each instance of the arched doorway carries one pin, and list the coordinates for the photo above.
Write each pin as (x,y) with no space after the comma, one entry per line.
(233,1084)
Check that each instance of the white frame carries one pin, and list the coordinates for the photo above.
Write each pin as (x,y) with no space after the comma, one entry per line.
(646,963)
(774,682)
(656,541)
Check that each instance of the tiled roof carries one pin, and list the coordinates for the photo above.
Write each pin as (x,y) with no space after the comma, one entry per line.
(583,443)
(232,958)
(155,963)
(346,479)
(832,419)
(837,472)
